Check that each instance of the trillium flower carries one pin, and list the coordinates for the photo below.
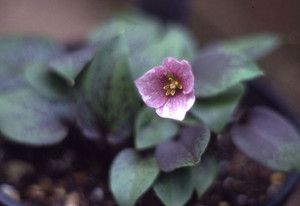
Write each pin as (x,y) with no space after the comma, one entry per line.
(168,88)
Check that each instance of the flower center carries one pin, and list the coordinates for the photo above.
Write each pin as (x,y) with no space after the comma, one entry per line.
(172,85)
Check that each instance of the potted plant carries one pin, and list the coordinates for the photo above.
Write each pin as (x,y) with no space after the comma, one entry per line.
(140,115)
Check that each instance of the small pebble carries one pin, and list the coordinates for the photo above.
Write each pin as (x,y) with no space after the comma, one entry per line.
(46,184)
(97,195)
(242,199)
(228,183)
(62,183)
(273,188)
(72,199)
(35,192)
(16,169)
(224,167)
(59,192)
(223,203)
(277,177)
(10,191)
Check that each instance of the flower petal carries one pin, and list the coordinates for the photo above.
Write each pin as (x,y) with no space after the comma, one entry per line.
(150,86)
(177,106)
(182,71)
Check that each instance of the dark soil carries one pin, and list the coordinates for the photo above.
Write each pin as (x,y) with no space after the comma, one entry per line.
(75,172)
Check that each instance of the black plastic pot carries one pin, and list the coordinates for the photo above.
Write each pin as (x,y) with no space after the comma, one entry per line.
(261,92)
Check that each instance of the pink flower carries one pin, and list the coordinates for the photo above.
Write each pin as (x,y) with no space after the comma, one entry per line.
(168,88)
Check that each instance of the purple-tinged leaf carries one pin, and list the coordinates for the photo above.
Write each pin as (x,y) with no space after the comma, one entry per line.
(254,46)
(47,83)
(186,151)
(71,64)
(27,118)
(268,138)
(17,51)
(131,174)
(217,70)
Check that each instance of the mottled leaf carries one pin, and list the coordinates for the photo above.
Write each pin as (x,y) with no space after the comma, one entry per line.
(173,42)
(131,175)
(255,46)
(17,51)
(109,98)
(216,111)
(186,151)
(205,174)
(217,70)
(175,188)
(46,82)
(151,130)
(27,118)
(71,64)
(268,138)
(149,41)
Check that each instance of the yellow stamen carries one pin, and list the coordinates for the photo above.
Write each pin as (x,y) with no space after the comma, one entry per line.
(166,87)
(168,92)
(172,92)
(172,85)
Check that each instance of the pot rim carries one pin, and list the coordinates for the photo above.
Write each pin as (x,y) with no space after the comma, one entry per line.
(266,88)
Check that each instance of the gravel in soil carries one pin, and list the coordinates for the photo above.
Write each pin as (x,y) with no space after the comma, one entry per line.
(75,172)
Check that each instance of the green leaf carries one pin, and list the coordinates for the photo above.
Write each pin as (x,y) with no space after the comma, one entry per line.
(205,174)
(186,151)
(189,120)
(175,188)
(27,118)
(268,138)
(148,41)
(46,82)
(255,46)
(131,175)
(151,130)
(173,42)
(16,52)
(216,111)
(109,97)
(69,65)
(217,70)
